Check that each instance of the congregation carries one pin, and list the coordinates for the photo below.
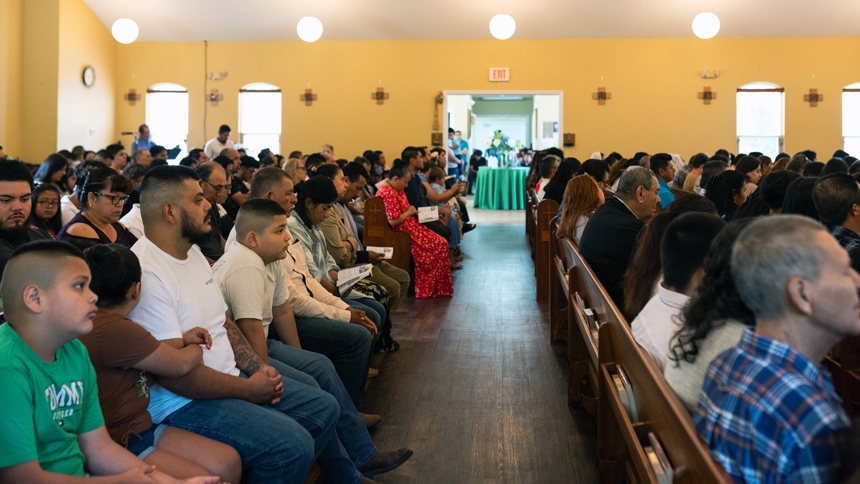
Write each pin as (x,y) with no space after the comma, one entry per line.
(193,315)
(739,275)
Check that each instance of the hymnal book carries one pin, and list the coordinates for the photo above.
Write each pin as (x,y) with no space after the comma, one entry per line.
(387,252)
(346,278)
(661,456)
(662,477)
(428,214)
(627,397)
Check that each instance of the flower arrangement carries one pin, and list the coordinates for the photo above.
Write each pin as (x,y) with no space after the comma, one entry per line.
(502,146)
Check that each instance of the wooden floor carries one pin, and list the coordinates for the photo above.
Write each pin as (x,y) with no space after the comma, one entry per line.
(476,389)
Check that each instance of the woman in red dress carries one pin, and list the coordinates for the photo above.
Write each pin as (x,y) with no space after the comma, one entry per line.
(429,249)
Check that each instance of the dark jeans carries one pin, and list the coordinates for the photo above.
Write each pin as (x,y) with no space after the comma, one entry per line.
(439,229)
(316,370)
(347,345)
(277,443)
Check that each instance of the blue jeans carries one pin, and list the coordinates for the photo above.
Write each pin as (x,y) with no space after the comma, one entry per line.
(347,345)
(374,310)
(277,443)
(454,241)
(317,371)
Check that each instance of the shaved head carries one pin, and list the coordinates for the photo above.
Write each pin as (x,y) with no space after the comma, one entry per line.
(163,184)
(256,215)
(36,263)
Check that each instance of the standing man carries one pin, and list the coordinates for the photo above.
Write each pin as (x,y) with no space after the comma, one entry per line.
(464,151)
(453,152)
(144,139)
(215,146)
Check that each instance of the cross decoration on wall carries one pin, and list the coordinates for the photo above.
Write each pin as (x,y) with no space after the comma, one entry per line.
(132,96)
(379,96)
(707,95)
(308,97)
(215,98)
(813,98)
(601,96)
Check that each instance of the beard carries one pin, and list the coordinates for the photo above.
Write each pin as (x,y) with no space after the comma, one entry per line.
(15,232)
(192,233)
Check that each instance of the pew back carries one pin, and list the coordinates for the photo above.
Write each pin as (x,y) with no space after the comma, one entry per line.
(378,232)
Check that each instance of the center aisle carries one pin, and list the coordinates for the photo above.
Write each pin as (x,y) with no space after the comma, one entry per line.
(476,390)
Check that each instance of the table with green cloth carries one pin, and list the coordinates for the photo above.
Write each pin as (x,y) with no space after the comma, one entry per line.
(501,188)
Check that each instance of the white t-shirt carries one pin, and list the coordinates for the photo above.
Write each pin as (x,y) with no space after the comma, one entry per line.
(250,288)
(656,324)
(176,296)
(68,210)
(214,147)
(133,221)
(542,190)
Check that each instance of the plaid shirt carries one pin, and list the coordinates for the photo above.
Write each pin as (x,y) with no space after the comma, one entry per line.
(846,238)
(769,415)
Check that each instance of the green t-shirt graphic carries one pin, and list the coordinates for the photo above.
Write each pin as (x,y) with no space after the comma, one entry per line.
(46,405)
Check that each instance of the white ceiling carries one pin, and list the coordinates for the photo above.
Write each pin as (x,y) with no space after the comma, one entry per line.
(250,20)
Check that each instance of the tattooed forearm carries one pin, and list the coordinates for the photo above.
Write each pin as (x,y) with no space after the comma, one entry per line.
(246,359)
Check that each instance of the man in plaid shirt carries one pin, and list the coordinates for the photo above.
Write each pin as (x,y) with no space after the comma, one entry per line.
(768,412)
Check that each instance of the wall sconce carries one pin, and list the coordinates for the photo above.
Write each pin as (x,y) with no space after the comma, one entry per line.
(569,139)
(710,75)
(436,139)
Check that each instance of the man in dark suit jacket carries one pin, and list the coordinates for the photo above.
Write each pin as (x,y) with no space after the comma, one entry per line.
(609,238)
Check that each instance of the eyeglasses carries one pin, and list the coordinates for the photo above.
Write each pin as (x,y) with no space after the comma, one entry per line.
(48,203)
(114,199)
(217,188)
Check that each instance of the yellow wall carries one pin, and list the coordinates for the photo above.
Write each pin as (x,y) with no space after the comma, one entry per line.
(40,41)
(85,116)
(11,25)
(653,82)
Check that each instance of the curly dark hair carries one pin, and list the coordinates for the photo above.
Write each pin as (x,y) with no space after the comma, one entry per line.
(717,299)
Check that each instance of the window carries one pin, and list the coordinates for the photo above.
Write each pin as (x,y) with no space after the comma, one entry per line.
(761,118)
(167,116)
(260,118)
(851,118)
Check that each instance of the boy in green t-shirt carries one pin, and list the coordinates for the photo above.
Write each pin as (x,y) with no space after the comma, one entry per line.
(52,425)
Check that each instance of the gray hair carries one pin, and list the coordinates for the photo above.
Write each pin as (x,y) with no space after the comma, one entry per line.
(769,252)
(633,178)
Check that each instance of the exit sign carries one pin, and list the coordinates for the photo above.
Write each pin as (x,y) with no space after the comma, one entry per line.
(500,74)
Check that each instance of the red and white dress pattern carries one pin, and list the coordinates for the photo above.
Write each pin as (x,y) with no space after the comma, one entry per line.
(429,249)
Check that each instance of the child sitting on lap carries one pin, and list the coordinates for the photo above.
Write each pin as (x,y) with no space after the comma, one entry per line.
(52,423)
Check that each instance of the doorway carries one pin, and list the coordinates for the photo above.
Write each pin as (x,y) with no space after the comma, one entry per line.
(501,123)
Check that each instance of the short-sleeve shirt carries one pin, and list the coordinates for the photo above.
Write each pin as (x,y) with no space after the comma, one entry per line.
(115,345)
(250,288)
(175,297)
(46,405)
(416,193)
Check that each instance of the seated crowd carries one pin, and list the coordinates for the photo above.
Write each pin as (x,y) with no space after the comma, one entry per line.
(738,275)
(187,323)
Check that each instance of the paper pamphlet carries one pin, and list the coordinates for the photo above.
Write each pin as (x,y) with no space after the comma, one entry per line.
(428,214)
(346,278)
(387,252)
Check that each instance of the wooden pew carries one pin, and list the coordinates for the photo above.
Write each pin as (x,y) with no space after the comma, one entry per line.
(559,290)
(582,351)
(679,193)
(531,219)
(378,232)
(546,211)
(621,442)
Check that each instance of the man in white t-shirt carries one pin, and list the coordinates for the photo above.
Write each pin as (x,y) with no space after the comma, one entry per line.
(682,252)
(252,280)
(215,145)
(278,425)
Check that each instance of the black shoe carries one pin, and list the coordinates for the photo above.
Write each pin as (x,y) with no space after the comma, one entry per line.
(468,227)
(384,462)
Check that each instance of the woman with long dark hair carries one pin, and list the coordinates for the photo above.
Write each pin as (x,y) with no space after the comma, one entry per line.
(641,278)
(712,322)
(726,190)
(557,185)
(53,170)
(46,209)
(750,167)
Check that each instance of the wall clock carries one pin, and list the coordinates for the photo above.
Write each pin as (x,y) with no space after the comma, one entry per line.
(89,76)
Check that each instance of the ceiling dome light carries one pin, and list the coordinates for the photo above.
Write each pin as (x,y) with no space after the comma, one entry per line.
(503,26)
(706,25)
(310,29)
(125,31)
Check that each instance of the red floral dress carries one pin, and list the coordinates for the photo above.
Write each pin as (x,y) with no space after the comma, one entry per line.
(429,249)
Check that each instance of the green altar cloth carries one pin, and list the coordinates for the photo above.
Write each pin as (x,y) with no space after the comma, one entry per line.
(501,188)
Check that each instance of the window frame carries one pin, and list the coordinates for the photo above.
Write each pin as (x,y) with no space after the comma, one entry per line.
(170,88)
(261,87)
(761,86)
